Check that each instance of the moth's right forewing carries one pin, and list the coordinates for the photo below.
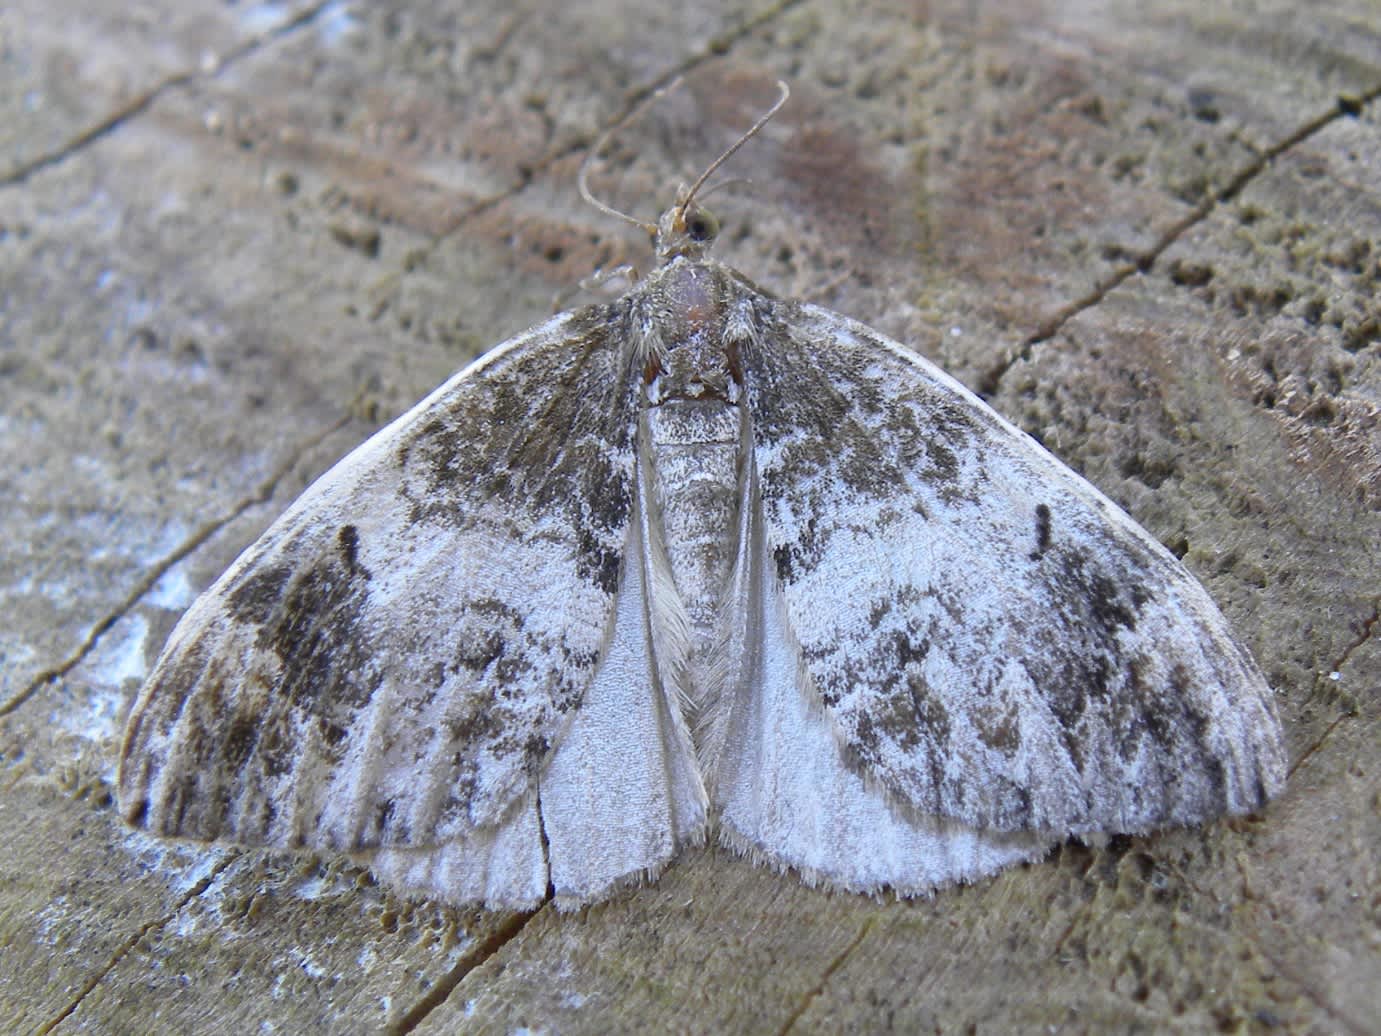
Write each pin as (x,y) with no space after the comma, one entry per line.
(997,643)
(392,662)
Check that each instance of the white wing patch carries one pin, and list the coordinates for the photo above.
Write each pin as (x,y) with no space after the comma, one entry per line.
(698,563)
(786,794)
(619,796)
(622,792)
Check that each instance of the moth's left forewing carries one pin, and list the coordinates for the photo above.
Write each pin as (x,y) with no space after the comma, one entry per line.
(997,642)
(389,665)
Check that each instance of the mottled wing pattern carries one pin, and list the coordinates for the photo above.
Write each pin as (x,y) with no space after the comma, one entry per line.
(619,794)
(1002,645)
(788,796)
(392,662)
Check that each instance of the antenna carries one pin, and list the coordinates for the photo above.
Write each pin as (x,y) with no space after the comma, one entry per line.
(583,178)
(749,135)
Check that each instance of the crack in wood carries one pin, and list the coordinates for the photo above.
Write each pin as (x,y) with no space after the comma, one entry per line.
(260,496)
(1346,106)
(1368,628)
(1318,744)
(816,991)
(1350,708)
(483,950)
(129,944)
(142,102)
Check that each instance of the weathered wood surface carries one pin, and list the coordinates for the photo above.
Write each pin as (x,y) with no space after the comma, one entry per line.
(233,240)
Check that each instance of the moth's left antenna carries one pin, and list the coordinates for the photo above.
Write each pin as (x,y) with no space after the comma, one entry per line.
(583,178)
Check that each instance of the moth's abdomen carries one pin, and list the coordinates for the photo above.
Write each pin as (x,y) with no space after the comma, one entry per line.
(696,447)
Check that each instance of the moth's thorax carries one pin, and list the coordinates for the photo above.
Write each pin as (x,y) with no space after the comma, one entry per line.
(690,334)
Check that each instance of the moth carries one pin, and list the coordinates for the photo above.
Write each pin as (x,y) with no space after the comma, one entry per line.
(698,563)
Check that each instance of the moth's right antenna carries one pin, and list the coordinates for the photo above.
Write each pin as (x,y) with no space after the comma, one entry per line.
(583,178)
(752,132)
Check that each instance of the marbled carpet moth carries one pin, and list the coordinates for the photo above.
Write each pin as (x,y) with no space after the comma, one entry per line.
(698,562)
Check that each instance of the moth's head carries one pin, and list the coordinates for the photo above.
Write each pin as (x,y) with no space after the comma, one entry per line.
(686,229)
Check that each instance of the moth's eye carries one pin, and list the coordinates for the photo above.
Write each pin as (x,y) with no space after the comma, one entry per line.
(701,225)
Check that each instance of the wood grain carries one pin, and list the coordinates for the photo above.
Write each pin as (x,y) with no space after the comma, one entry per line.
(232,243)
